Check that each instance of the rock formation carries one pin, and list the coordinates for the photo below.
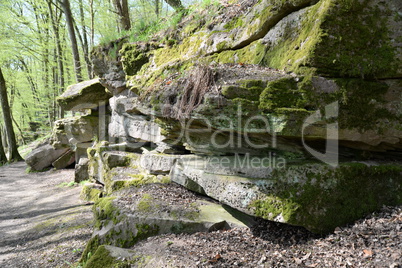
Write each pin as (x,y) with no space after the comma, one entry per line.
(286,110)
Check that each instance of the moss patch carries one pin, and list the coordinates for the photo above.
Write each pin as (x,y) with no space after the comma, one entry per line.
(89,193)
(102,259)
(247,89)
(133,58)
(90,249)
(332,40)
(104,211)
(282,93)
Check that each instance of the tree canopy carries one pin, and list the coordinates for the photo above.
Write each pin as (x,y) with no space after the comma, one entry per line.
(45,46)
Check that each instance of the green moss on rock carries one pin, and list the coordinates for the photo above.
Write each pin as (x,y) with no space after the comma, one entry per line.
(282,93)
(320,198)
(90,249)
(133,58)
(103,259)
(90,193)
(332,40)
(104,211)
(248,89)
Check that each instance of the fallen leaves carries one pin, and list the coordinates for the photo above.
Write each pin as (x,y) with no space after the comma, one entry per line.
(370,242)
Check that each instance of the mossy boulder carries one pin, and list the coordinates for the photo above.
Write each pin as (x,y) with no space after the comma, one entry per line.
(312,195)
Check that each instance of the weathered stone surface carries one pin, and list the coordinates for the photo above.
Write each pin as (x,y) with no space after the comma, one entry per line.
(277,78)
(156,163)
(117,169)
(85,95)
(69,132)
(102,162)
(133,214)
(315,196)
(81,170)
(137,128)
(67,159)
(109,68)
(81,150)
(43,157)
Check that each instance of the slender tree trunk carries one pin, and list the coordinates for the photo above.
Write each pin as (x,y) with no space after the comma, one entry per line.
(12,143)
(157,8)
(91,10)
(121,7)
(85,47)
(19,129)
(70,25)
(59,56)
(3,157)
(31,82)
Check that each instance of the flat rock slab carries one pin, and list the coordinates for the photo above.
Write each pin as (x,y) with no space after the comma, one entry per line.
(43,157)
(135,213)
(312,195)
(85,95)
(67,159)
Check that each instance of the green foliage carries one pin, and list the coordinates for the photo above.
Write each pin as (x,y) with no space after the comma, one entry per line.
(144,29)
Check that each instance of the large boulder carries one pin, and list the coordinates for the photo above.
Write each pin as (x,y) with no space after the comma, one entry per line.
(71,131)
(43,157)
(85,95)
(312,195)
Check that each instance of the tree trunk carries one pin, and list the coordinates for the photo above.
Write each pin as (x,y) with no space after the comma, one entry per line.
(175,4)
(30,79)
(12,143)
(91,10)
(157,8)
(59,55)
(121,7)
(85,47)
(70,25)
(3,157)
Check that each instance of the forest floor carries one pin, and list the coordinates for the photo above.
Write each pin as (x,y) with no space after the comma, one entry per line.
(43,223)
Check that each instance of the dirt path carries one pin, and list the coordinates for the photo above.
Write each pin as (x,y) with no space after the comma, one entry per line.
(43,223)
